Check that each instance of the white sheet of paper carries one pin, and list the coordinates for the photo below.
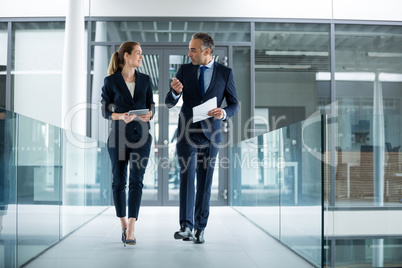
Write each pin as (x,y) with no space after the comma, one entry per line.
(200,112)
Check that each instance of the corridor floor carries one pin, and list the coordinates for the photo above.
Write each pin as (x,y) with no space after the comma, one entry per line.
(230,241)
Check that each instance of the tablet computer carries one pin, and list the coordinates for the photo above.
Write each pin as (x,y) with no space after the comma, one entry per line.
(138,112)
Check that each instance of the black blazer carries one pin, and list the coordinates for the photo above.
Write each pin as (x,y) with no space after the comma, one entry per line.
(222,87)
(116,98)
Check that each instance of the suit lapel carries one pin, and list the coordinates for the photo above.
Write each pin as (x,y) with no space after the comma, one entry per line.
(122,85)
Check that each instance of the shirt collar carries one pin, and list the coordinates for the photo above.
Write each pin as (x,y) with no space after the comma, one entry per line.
(210,64)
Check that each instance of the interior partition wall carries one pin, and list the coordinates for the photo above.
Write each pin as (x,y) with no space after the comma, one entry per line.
(366,184)
(278,185)
(285,71)
(44,194)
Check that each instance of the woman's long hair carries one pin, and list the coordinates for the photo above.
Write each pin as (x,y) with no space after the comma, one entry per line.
(117,61)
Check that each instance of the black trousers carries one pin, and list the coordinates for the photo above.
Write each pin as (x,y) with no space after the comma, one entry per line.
(197,156)
(137,158)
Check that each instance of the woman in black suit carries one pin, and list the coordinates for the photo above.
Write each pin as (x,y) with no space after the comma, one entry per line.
(129,140)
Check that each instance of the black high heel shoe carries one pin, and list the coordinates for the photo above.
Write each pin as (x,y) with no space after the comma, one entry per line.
(124,236)
(131,241)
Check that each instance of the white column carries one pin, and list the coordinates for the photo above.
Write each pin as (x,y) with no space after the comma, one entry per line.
(99,126)
(74,90)
(378,145)
(73,112)
(378,253)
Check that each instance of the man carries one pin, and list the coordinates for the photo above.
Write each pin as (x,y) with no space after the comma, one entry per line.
(197,143)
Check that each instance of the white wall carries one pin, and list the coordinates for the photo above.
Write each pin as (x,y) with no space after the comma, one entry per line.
(36,8)
(318,9)
(389,10)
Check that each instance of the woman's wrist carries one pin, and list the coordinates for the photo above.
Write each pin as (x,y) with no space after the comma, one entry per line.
(116,116)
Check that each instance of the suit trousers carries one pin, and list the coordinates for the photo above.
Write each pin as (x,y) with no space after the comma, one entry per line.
(197,157)
(137,159)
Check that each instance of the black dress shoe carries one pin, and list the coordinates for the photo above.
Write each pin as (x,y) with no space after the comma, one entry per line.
(199,237)
(184,233)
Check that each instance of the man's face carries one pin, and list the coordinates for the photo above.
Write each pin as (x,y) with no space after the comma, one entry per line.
(197,55)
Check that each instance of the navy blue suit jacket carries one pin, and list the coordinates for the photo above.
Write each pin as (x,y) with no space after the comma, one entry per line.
(116,98)
(222,87)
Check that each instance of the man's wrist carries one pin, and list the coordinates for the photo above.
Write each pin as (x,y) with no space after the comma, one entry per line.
(176,93)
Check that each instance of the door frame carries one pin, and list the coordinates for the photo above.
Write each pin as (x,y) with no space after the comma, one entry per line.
(163,121)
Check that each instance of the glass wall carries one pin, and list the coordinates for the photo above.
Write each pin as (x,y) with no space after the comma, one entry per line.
(366,182)
(287,79)
(278,185)
(38,178)
(8,190)
(242,125)
(3,62)
(288,57)
(52,182)
(369,96)
(37,62)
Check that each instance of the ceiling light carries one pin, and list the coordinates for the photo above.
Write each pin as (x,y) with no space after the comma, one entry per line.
(390,77)
(342,76)
(384,54)
(359,76)
(283,66)
(297,53)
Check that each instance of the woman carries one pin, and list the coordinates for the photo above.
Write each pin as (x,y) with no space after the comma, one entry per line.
(129,140)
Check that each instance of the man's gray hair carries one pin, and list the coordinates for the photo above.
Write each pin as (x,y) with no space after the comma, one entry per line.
(206,41)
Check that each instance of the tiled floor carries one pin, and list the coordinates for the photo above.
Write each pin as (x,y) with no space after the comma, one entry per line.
(230,241)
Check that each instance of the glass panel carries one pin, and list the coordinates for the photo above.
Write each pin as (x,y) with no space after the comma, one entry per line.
(37,216)
(279,184)
(150,66)
(97,178)
(361,161)
(288,59)
(367,141)
(257,186)
(3,62)
(38,178)
(361,252)
(242,76)
(369,95)
(174,31)
(8,190)
(37,63)
(73,192)
(174,170)
(301,183)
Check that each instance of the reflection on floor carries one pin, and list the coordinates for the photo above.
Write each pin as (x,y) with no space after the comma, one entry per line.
(231,241)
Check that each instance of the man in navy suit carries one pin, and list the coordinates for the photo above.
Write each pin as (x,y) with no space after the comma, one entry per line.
(197,143)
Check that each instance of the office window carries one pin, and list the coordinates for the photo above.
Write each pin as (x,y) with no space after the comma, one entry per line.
(37,63)
(368,79)
(288,57)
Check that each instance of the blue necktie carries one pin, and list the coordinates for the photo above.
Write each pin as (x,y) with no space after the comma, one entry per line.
(201,80)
